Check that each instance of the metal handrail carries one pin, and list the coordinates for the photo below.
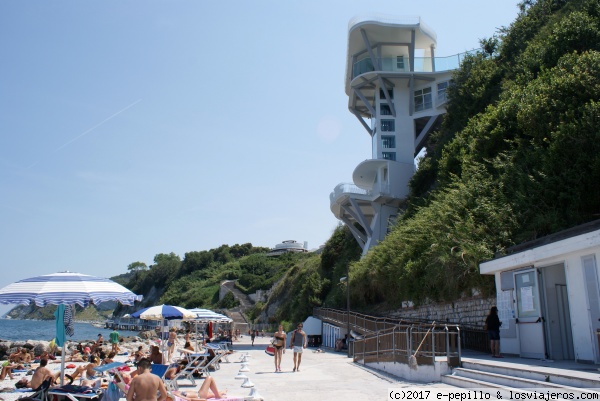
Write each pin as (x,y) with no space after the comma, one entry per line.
(397,339)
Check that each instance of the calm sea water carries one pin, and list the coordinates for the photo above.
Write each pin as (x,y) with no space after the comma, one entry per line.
(22,330)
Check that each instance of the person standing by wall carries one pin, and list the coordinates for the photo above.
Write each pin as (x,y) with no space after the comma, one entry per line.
(493,323)
(298,344)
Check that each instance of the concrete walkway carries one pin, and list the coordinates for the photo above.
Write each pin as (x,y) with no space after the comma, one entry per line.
(322,376)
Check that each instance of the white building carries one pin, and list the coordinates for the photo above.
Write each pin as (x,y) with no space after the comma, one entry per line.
(548,296)
(394,80)
(288,246)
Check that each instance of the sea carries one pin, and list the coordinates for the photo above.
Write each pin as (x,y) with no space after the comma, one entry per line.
(23,330)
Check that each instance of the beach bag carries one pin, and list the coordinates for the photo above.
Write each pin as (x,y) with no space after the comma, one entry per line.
(270,350)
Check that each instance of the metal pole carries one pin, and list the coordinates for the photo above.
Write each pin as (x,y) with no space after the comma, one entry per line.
(348,306)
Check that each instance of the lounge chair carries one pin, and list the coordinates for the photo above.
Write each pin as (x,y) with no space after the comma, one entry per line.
(41,393)
(212,364)
(195,361)
(160,370)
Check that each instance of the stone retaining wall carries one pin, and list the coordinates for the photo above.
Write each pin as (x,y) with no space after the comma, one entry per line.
(469,312)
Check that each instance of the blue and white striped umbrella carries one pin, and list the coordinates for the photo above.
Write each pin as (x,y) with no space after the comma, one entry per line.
(66,288)
(161,312)
(207,315)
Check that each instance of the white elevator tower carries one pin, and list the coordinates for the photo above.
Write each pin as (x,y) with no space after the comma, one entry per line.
(394,80)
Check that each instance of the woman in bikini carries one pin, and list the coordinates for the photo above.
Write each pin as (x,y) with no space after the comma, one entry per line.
(279,343)
(207,391)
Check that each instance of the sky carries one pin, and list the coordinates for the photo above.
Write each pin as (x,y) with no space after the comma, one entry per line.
(134,128)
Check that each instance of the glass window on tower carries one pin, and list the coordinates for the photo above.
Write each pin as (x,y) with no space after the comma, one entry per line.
(423,99)
(389,155)
(384,110)
(389,91)
(400,63)
(441,91)
(388,141)
(388,125)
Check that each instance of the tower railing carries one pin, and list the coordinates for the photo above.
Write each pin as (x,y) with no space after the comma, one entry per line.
(422,64)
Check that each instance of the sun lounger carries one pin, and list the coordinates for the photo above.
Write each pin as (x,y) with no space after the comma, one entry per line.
(75,393)
(212,364)
(41,393)
(195,361)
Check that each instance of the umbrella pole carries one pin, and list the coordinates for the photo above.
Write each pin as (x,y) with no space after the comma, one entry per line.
(62,363)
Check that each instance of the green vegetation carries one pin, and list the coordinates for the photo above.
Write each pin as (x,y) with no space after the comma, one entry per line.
(517,158)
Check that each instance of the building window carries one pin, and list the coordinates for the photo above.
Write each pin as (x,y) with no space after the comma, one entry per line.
(441,91)
(389,91)
(388,125)
(400,62)
(423,99)
(384,110)
(388,141)
(389,155)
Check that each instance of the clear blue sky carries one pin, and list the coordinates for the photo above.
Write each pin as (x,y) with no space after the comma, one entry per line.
(132,128)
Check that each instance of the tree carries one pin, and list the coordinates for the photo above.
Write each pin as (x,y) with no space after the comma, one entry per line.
(136,267)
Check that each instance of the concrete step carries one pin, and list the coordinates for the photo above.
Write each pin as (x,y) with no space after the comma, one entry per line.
(515,380)
(539,373)
(496,390)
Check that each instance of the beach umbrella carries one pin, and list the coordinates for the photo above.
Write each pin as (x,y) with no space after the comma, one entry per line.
(206,315)
(164,313)
(66,289)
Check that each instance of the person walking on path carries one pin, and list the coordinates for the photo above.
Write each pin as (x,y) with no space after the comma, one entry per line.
(145,385)
(493,323)
(252,337)
(278,342)
(298,343)
(114,341)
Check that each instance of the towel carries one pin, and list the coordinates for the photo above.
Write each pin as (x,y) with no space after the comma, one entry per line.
(68,320)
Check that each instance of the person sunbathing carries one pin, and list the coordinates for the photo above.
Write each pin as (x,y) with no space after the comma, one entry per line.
(40,374)
(89,377)
(7,369)
(155,355)
(76,356)
(109,358)
(207,391)
(172,371)
(14,357)
(24,356)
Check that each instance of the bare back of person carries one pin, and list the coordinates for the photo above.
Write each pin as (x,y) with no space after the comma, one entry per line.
(145,386)
(40,374)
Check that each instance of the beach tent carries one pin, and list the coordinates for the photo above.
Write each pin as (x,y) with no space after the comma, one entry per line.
(66,289)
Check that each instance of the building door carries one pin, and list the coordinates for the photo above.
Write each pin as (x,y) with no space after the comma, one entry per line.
(556,311)
(590,273)
(530,322)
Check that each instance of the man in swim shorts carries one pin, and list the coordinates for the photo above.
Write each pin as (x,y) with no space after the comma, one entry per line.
(298,343)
